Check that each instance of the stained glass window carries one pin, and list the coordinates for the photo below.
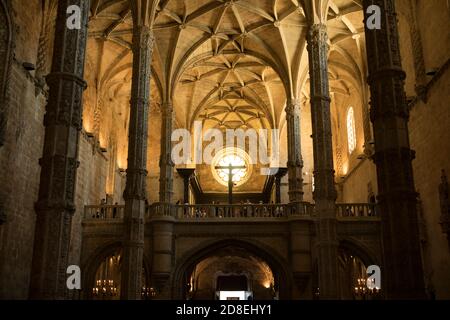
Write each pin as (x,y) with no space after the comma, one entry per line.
(351,130)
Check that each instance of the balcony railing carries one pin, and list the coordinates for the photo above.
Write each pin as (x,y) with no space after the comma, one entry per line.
(104,212)
(356,210)
(241,211)
(225,211)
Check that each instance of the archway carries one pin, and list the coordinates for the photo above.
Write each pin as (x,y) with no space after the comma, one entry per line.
(353,262)
(104,273)
(232,270)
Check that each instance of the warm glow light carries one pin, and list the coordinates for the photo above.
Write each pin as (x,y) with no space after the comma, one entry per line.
(102,141)
(351,131)
(235,161)
(232,295)
(236,158)
(345,169)
(266,284)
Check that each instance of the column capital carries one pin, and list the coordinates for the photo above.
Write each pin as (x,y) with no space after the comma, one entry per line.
(292,105)
(317,34)
(167,107)
(143,37)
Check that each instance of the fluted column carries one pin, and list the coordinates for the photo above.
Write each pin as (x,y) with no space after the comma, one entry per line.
(165,161)
(295,161)
(135,190)
(403,270)
(324,191)
(55,206)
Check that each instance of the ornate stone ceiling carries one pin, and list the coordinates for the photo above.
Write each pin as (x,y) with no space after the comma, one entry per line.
(229,63)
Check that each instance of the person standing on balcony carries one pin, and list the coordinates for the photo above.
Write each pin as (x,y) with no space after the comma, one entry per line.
(103,209)
(114,211)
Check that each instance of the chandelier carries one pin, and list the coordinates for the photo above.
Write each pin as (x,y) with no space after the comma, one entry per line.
(104,288)
(148,292)
(363,289)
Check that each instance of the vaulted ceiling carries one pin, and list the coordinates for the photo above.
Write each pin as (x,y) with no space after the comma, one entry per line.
(228,63)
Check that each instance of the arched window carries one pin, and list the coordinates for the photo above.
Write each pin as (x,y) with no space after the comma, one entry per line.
(235,157)
(351,130)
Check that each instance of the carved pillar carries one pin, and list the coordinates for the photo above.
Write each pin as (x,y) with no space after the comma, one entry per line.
(165,161)
(324,191)
(135,190)
(295,161)
(59,163)
(162,226)
(403,270)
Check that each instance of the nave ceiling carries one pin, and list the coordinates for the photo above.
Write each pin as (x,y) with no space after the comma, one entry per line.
(228,63)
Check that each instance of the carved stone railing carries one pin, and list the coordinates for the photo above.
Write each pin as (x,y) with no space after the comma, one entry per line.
(226,211)
(356,210)
(239,211)
(104,212)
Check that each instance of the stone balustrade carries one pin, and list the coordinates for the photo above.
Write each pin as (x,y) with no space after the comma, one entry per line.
(356,210)
(235,211)
(104,212)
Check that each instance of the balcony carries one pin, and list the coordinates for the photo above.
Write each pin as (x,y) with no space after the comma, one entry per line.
(222,212)
(357,211)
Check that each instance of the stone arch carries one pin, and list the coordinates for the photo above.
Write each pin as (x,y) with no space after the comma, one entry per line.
(5,63)
(359,249)
(197,254)
(354,258)
(91,265)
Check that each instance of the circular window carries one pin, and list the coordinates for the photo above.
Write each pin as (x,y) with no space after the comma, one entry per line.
(235,158)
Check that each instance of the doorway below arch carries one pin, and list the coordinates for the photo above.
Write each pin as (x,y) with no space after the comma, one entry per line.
(231,272)
(105,282)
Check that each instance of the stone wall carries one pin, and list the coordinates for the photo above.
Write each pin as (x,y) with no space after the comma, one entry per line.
(359,183)
(19,156)
(430,138)
(19,163)
(90,189)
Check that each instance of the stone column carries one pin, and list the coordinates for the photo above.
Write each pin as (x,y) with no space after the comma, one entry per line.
(162,224)
(295,161)
(165,161)
(403,270)
(55,206)
(135,190)
(324,191)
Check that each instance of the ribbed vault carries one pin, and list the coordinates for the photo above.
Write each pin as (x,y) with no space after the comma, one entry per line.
(227,63)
